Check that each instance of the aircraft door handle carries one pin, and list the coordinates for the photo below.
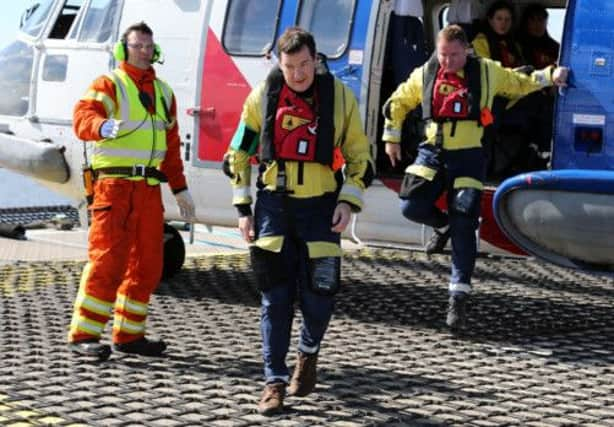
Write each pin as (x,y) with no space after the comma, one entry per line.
(346,71)
(562,90)
(201,112)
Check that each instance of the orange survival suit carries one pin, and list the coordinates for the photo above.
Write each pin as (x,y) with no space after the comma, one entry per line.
(126,234)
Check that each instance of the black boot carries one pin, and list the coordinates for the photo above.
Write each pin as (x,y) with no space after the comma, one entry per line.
(91,348)
(457,312)
(437,242)
(142,346)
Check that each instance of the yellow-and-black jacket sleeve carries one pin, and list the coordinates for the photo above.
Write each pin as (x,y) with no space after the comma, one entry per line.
(244,145)
(406,97)
(359,170)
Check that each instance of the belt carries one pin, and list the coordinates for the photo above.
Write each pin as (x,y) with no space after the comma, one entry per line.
(130,171)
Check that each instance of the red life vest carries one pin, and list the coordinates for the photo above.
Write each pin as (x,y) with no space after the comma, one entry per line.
(292,128)
(296,127)
(460,104)
(450,96)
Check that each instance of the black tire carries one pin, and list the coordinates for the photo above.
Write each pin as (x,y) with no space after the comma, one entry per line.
(174,252)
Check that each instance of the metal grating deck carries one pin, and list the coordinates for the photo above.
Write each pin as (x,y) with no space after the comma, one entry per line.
(540,352)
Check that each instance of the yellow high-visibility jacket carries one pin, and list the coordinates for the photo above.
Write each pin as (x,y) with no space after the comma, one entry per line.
(315,179)
(140,140)
(482,48)
(495,79)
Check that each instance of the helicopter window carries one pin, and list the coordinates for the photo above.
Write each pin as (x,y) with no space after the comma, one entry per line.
(15,78)
(33,19)
(54,69)
(67,16)
(98,21)
(555,23)
(250,26)
(330,22)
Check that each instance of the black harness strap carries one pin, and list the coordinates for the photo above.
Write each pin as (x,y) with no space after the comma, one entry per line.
(325,89)
(274,82)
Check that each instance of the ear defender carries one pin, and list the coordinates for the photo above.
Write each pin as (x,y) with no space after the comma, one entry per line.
(120,52)
(157,54)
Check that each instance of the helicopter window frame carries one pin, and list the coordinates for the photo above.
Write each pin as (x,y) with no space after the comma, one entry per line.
(55,68)
(109,14)
(65,20)
(345,45)
(246,24)
(40,11)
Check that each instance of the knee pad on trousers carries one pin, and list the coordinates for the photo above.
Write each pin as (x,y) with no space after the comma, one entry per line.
(416,210)
(325,275)
(466,201)
(268,267)
(413,185)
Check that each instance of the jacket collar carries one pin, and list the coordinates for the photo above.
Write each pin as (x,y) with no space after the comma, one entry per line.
(138,75)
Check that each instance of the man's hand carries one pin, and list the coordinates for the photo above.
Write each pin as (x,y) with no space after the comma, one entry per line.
(394,152)
(341,217)
(246,227)
(559,76)
(186,205)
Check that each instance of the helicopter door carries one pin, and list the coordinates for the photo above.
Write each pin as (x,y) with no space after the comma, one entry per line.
(584,111)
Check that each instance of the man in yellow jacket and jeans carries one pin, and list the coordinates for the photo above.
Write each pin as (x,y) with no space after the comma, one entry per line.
(456,92)
(303,125)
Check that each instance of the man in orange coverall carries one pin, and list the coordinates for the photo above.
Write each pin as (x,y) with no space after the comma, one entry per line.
(129,114)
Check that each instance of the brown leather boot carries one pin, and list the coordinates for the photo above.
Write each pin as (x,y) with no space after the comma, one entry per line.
(272,399)
(305,375)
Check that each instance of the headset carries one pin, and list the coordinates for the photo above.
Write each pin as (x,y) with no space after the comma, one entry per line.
(120,52)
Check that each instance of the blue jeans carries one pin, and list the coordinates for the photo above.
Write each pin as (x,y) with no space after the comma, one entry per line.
(299,221)
(420,206)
